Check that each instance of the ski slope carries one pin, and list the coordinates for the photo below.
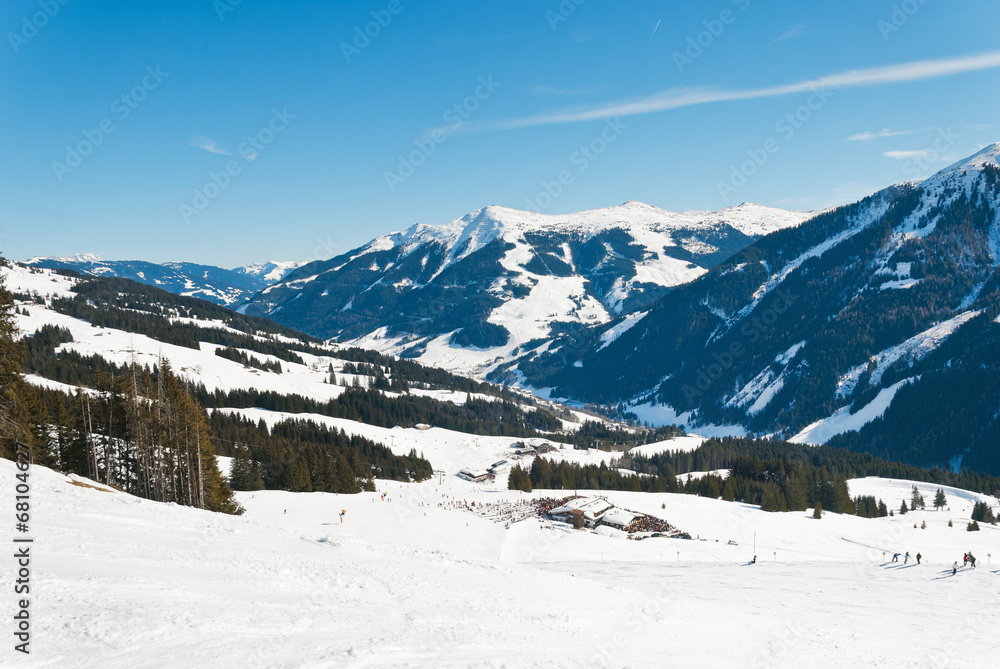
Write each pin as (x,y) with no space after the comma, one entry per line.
(124,582)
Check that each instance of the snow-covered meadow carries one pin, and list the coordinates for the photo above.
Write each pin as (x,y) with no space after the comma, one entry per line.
(411,582)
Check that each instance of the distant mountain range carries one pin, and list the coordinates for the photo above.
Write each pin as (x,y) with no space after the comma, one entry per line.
(498,281)
(228,287)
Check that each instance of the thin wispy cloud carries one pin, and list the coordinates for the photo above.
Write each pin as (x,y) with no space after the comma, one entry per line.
(209,145)
(794,31)
(884,132)
(677,98)
(655,28)
(213,147)
(906,155)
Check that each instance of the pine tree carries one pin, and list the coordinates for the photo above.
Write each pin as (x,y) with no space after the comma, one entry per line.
(939,499)
(11,355)
(795,494)
(818,511)
(902,508)
(917,500)
(299,479)
(772,499)
(245,473)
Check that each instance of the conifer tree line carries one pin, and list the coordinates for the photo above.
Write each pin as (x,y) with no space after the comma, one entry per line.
(130,306)
(143,435)
(236,355)
(302,456)
(147,438)
(777,476)
(144,431)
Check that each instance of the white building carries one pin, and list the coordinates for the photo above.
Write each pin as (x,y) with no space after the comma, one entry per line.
(474,475)
(582,511)
(618,518)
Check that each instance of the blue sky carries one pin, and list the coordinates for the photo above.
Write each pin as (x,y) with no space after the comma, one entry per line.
(228,131)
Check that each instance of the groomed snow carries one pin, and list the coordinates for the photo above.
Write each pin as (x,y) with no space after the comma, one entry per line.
(123,582)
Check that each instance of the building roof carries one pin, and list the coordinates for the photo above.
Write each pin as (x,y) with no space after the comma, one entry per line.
(619,517)
(592,507)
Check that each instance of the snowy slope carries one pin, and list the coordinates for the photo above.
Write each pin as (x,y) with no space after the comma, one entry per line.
(308,379)
(415,582)
(809,324)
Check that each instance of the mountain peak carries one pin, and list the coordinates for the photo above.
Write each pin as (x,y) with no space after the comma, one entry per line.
(964,172)
(77,258)
(988,155)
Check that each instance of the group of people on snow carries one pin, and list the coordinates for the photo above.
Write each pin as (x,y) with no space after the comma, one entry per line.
(906,558)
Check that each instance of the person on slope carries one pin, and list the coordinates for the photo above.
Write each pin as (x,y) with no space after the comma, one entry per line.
(972,560)
(918,558)
(895,557)
(907,557)
(954,568)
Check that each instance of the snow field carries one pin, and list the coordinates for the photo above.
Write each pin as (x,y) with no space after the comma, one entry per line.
(123,582)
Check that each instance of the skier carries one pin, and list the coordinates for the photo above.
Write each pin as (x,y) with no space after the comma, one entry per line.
(918,558)
(907,557)
(895,557)
(754,560)
(954,568)
(965,560)
(972,560)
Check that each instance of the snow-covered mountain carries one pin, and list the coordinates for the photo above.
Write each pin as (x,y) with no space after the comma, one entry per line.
(500,279)
(269,272)
(223,286)
(873,326)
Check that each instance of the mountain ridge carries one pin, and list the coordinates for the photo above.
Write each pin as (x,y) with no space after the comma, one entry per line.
(519,276)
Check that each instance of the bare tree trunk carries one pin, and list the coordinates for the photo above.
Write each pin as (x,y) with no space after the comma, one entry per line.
(201,480)
(91,449)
